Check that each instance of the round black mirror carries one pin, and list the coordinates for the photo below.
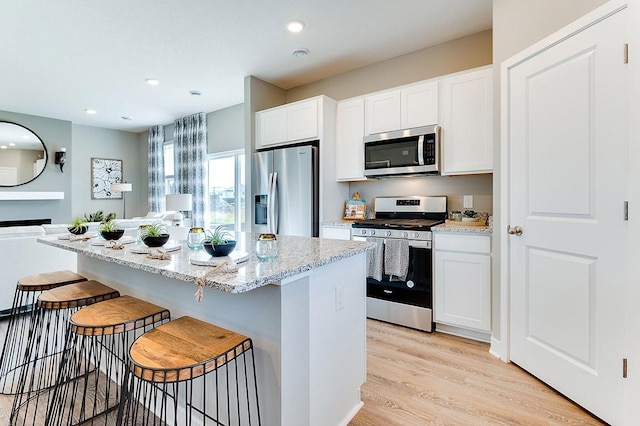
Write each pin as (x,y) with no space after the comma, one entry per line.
(23,155)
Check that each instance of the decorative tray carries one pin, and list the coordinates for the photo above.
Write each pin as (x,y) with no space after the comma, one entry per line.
(169,246)
(86,234)
(463,224)
(203,259)
(124,240)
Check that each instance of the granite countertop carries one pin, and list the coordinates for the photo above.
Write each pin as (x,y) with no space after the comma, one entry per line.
(338,224)
(461,228)
(296,255)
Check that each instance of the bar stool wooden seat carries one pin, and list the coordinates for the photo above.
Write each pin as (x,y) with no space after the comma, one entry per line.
(94,363)
(27,291)
(188,371)
(45,344)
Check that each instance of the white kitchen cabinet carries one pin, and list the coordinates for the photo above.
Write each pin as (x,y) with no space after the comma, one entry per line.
(419,105)
(410,106)
(462,280)
(288,123)
(335,232)
(466,117)
(382,112)
(349,140)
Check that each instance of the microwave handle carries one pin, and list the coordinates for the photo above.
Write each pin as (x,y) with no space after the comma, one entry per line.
(438,131)
(421,150)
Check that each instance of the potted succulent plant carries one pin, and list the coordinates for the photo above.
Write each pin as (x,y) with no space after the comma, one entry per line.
(110,231)
(154,235)
(469,216)
(78,226)
(219,242)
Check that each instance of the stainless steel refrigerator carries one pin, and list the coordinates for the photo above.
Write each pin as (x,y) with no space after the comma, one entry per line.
(285,191)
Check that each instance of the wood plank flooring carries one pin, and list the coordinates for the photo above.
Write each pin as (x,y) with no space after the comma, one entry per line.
(417,378)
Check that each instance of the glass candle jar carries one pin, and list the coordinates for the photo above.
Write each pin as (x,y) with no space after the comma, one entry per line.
(266,247)
(195,238)
(141,232)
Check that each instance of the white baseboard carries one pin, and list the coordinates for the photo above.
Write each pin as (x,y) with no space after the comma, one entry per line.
(464,332)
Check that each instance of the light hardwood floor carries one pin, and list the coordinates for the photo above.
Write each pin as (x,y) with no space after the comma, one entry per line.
(418,378)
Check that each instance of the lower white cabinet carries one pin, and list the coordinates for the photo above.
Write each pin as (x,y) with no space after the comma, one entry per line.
(462,280)
(335,232)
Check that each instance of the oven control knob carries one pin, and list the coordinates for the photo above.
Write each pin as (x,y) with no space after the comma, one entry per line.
(373,232)
(410,284)
(363,232)
(405,234)
(416,235)
(388,233)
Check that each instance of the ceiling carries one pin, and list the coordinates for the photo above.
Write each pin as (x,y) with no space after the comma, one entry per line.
(60,57)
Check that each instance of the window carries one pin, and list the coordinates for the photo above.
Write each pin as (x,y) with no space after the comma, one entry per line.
(169,180)
(226,190)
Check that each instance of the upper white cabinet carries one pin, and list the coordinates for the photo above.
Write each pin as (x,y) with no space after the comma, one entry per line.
(419,105)
(292,122)
(349,140)
(404,108)
(466,117)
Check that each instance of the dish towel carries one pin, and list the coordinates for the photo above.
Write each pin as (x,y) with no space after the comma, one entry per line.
(375,259)
(396,258)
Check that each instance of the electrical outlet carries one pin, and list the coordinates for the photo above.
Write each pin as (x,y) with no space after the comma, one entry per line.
(468,202)
(339,297)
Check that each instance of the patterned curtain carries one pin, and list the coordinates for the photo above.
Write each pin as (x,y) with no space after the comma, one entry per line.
(156,169)
(190,156)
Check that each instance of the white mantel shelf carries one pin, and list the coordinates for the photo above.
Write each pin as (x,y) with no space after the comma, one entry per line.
(30,195)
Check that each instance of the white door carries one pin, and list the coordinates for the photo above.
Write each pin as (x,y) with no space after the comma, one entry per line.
(568,166)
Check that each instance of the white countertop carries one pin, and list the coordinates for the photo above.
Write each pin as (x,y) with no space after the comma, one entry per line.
(296,255)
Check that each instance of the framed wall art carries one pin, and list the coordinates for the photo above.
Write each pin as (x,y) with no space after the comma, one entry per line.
(104,172)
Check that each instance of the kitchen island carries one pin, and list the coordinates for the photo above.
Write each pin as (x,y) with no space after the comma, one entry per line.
(305,312)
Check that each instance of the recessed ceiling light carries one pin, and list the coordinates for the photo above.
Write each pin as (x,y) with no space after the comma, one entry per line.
(299,53)
(295,26)
(152,81)
(25,136)
(90,111)
(3,147)
(195,92)
(126,117)
(12,144)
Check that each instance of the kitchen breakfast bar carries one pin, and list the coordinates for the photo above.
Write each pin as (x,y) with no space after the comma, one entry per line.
(305,312)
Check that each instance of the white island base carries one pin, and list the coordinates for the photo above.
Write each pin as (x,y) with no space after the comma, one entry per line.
(308,330)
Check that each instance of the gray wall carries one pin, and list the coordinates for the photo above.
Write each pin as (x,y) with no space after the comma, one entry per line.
(225,129)
(94,142)
(82,143)
(55,134)
(516,26)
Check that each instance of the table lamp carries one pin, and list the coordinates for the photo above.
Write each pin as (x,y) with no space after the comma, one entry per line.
(179,203)
(122,187)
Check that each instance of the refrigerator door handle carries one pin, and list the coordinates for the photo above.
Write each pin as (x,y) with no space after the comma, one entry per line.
(272,213)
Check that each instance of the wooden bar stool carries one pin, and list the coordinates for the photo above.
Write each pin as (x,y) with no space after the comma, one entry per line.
(27,291)
(96,355)
(45,344)
(184,361)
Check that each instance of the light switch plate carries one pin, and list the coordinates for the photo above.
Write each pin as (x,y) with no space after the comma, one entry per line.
(468,202)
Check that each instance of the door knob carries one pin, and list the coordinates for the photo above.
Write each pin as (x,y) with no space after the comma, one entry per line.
(514,230)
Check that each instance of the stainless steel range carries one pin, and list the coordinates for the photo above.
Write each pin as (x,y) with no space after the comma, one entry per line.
(407,300)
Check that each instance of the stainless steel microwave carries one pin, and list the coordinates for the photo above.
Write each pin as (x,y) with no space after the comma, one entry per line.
(403,152)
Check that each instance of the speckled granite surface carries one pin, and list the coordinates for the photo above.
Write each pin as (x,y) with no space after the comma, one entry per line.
(463,229)
(296,255)
(339,224)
